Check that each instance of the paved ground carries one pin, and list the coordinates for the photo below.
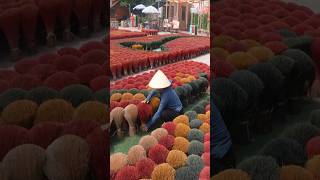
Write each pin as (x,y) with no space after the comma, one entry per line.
(312,4)
(204,59)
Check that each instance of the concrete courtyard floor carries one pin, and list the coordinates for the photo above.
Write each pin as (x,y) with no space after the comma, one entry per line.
(312,4)
(204,59)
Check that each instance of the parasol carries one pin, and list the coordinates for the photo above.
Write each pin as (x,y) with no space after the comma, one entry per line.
(150,10)
(139,7)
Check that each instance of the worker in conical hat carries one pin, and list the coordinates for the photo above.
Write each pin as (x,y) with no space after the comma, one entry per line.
(170,104)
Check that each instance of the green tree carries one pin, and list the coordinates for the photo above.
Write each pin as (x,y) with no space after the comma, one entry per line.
(136,2)
(125,2)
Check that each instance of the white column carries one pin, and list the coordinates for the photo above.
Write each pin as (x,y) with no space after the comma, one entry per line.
(166,10)
(187,14)
(177,11)
(169,6)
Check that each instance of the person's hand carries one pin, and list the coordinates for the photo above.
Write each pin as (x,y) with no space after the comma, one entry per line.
(145,101)
(144,127)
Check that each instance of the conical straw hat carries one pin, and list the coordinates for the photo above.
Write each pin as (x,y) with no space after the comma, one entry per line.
(159,81)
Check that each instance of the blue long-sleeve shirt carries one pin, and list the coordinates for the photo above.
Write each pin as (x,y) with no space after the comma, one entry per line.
(220,136)
(168,100)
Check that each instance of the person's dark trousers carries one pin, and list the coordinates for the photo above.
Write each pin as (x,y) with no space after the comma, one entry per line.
(169,115)
(166,115)
(227,162)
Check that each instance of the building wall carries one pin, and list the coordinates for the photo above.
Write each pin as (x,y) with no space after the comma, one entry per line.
(118,12)
(176,12)
(184,21)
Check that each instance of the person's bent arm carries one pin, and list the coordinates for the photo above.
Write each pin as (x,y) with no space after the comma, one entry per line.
(150,95)
(156,116)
